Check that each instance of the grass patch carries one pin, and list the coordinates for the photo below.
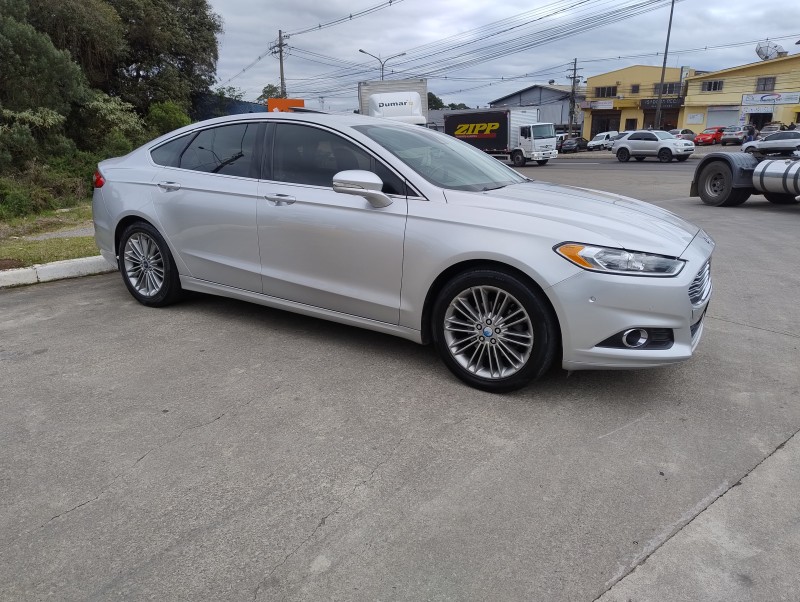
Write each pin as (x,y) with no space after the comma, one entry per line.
(24,253)
(47,221)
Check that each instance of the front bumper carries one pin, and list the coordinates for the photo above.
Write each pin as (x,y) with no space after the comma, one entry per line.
(593,307)
(540,155)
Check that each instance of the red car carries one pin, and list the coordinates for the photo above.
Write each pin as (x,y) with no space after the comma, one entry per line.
(710,135)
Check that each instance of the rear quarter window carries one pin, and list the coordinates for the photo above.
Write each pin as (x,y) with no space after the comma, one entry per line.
(169,153)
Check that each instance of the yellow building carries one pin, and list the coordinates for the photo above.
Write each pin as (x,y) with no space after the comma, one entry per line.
(626,99)
(758,93)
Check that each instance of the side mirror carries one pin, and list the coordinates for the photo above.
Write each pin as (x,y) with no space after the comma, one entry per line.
(361,183)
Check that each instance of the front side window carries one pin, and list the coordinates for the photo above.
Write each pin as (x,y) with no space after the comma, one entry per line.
(307,155)
(441,159)
(226,150)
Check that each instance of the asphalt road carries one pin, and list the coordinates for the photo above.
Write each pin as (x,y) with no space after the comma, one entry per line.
(217,450)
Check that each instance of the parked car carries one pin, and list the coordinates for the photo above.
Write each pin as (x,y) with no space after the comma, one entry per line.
(573,145)
(560,140)
(780,143)
(733,134)
(710,135)
(652,143)
(683,134)
(609,144)
(599,141)
(409,232)
(770,128)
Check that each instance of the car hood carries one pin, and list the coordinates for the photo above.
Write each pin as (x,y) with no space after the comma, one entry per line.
(604,218)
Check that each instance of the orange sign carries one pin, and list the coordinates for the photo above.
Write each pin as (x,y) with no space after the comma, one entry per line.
(284,104)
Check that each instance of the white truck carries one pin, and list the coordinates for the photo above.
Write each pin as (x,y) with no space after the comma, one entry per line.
(403,100)
(516,135)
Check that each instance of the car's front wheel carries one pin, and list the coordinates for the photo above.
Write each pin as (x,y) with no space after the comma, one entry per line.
(494,331)
(623,156)
(665,155)
(147,266)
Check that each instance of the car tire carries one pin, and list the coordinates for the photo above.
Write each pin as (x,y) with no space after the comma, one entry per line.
(543,161)
(723,143)
(682,158)
(147,267)
(665,155)
(476,342)
(623,155)
(780,199)
(518,159)
(715,186)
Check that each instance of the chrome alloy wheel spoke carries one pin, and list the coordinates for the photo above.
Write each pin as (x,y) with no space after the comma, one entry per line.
(488,332)
(144,264)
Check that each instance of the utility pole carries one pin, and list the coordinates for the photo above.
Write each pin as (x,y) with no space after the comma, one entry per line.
(277,48)
(575,78)
(657,124)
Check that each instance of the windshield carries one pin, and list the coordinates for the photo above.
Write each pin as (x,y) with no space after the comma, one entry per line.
(664,135)
(441,159)
(543,130)
(598,137)
(711,131)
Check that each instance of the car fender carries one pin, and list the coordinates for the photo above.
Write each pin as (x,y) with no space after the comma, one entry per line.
(741,164)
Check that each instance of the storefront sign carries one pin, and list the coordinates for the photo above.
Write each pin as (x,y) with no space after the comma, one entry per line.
(602,104)
(666,103)
(785,98)
(759,109)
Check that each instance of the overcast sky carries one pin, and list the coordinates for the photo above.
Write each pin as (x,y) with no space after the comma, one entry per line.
(524,45)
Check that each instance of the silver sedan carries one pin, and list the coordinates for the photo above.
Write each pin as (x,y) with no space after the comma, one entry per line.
(409,232)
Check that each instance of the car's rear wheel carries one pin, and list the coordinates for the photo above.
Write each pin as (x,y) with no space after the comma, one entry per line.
(780,199)
(518,159)
(665,155)
(623,155)
(147,266)
(493,331)
(715,186)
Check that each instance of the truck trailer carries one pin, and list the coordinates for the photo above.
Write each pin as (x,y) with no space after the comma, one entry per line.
(511,135)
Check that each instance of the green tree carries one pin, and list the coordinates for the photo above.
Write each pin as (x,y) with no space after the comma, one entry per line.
(33,73)
(460,105)
(172,51)
(163,117)
(270,91)
(434,102)
(90,30)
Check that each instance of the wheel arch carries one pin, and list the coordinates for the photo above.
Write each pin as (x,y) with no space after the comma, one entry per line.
(477,264)
(740,164)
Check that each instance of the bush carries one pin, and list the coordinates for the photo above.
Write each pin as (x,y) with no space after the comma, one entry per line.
(164,117)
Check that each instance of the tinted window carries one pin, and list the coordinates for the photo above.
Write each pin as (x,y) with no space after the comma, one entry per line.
(227,150)
(308,155)
(636,136)
(169,153)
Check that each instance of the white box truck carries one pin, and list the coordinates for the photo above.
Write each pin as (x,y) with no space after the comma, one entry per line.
(403,100)
(515,135)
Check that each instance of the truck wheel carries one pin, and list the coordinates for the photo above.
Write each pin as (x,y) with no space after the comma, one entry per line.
(518,159)
(780,199)
(623,156)
(543,161)
(715,185)
(664,155)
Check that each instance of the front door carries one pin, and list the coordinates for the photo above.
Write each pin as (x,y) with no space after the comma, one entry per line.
(320,247)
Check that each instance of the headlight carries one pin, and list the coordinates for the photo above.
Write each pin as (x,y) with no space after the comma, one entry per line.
(619,261)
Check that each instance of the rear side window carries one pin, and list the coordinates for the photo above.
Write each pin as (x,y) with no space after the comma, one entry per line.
(169,153)
(227,150)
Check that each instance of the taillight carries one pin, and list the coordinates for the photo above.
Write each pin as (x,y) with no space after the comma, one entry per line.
(99,180)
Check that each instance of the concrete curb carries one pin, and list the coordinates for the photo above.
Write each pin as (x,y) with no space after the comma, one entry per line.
(57,270)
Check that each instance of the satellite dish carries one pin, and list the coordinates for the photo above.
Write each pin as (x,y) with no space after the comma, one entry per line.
(769,50)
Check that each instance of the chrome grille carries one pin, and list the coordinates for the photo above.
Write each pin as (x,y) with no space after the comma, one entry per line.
(700,288)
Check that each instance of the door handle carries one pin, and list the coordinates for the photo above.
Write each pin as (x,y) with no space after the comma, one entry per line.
(280,200)
(169,186)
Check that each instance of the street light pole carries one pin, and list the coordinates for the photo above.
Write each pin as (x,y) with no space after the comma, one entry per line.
(657,123)
(382,62)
